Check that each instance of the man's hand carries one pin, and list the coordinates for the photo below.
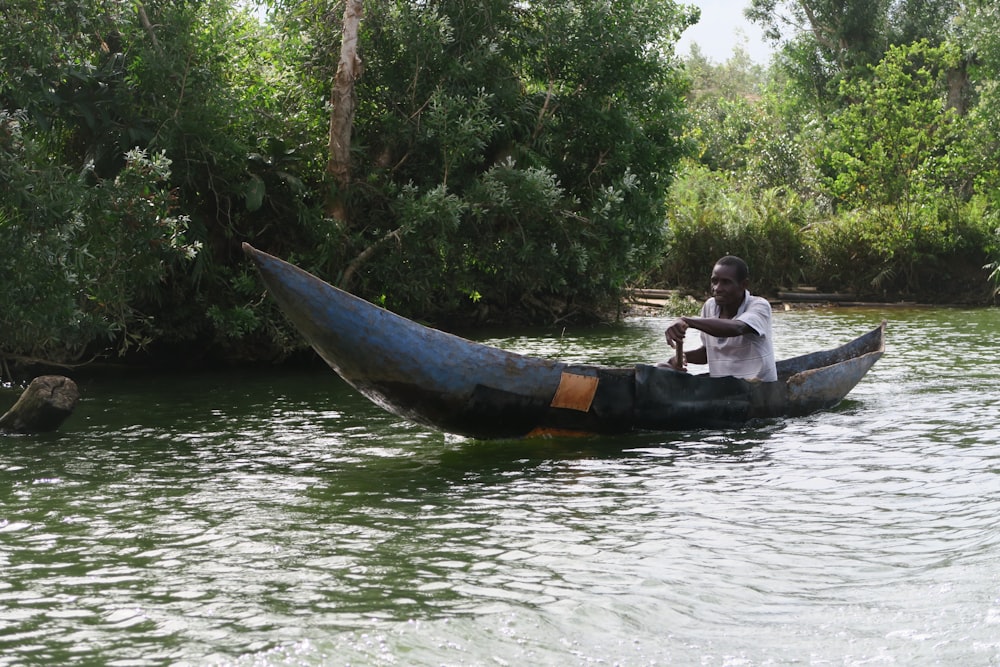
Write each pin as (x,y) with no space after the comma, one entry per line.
(671,363)
(675,332)
(675,339)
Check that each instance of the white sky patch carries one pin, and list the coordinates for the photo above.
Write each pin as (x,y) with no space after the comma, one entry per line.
(721,28)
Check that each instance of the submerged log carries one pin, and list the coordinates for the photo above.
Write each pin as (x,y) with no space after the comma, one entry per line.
(43,406)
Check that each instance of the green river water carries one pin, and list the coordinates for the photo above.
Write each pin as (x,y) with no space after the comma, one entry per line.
(277,518)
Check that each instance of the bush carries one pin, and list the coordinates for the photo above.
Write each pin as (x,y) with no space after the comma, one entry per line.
(710,216)
(90,253)
(931,254)
(934,253)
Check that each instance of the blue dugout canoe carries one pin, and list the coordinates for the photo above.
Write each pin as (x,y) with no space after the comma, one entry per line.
(460,386)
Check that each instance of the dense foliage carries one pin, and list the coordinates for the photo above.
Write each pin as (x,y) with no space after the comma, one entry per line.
(509,161)
(878,177)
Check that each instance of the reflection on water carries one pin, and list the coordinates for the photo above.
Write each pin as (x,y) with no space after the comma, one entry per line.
(281,519)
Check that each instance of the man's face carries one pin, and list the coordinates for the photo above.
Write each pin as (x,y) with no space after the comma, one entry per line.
(725,288)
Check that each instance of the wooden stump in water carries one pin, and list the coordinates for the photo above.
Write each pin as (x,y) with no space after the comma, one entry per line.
(43,406)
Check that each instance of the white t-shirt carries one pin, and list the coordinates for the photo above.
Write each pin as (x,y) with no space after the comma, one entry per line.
(750,356)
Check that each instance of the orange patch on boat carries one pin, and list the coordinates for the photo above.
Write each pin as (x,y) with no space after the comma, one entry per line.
(575,392)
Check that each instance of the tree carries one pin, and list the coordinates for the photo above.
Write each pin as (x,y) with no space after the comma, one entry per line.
(88,216)
(843,33)
(892,144)
(915,20)
(503,154)
(503,160)
(343,102)
(825,41)
(981,22)
(124,153)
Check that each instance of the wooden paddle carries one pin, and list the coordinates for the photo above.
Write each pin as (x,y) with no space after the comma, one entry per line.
(679,355)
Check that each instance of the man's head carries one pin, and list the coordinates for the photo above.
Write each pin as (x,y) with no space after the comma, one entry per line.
(742,270)
(730,280)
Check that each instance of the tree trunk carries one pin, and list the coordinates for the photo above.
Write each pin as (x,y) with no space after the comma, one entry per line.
(43,406)
(342,105)
(958,88)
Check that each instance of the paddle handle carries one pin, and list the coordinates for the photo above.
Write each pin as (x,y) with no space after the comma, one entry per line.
(679,355)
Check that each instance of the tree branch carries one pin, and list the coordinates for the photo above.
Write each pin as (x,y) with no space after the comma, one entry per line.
(366,254)
(148,27)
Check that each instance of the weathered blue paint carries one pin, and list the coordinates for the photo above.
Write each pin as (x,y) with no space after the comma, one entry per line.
(464,387)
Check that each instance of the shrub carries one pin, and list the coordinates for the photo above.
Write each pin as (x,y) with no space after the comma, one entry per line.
(933,253)
(710,216)
(87,255)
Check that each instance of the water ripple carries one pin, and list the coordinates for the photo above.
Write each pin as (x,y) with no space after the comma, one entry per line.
(293,523)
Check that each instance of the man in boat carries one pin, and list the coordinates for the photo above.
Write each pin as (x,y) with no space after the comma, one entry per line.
(735,328)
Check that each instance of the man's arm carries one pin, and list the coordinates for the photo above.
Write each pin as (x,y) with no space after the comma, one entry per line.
(713,326)
(719,327)
(698,356)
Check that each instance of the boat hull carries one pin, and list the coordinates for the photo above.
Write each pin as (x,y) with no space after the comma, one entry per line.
(460,386)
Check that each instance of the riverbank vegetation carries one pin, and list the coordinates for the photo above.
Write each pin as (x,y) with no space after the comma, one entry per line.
(487,161)
(882,183)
